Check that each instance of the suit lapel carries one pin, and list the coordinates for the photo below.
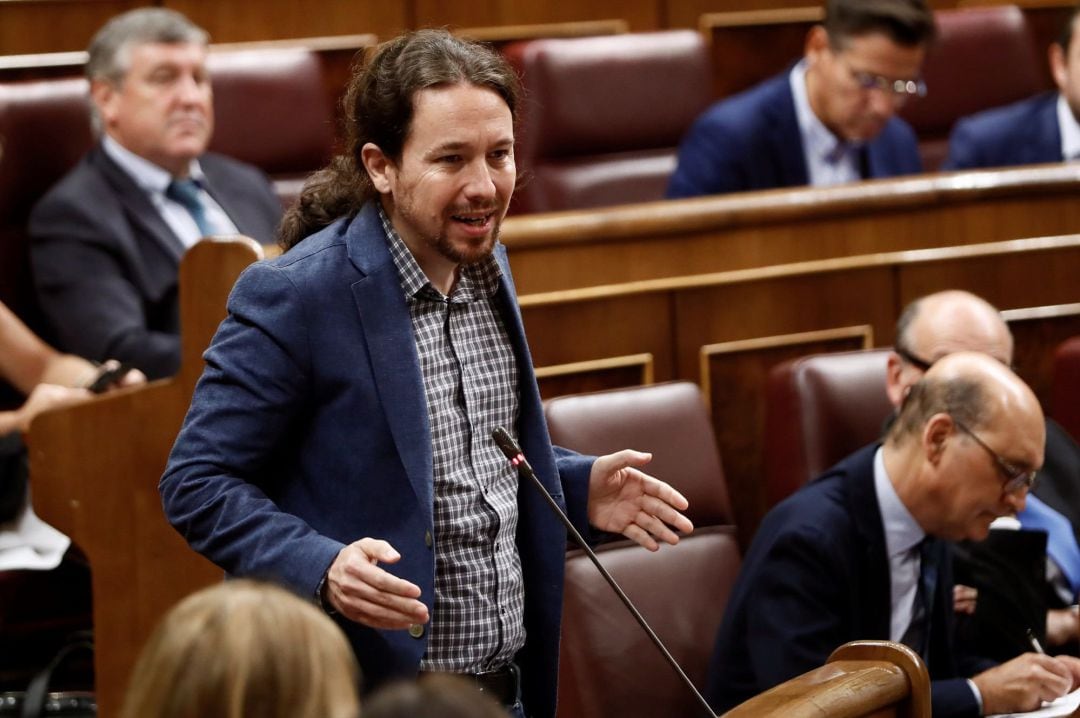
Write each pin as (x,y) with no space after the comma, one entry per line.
(786,141)
(875,560)
(1046,139)
(138,206)
(387,327)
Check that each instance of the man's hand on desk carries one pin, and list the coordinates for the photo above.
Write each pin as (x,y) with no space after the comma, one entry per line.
(1023,683)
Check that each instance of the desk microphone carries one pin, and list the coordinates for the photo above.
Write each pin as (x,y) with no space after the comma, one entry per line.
(513,452)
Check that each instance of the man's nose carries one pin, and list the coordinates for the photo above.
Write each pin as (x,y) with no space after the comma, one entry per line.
(479,184)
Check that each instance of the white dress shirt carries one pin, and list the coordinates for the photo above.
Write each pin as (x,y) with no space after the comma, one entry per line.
(829,160)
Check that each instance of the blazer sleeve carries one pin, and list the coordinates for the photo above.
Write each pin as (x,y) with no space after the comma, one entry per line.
(251,394)
(710,160)
(85,291)
(964,151)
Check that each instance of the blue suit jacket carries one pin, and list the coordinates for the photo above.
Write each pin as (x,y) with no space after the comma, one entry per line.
(308,430)
(752,141)
(817,576)
(1023,133)
(106,263)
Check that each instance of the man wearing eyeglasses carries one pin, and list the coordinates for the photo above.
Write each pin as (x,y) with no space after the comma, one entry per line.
(933,327)
(1041,129)
(830,119)
(861,553)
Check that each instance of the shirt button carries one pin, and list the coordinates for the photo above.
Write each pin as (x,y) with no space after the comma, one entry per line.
(416,630)
(428,541)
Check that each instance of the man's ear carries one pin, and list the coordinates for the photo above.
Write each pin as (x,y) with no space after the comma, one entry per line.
(935,435)
(893,386)
(817,41)
(379,167)
(103,93)
(1058,66)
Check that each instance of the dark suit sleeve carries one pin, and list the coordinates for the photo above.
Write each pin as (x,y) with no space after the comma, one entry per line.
(85,288)
(710,161)
(963,149)
(244,407)
(574,469)
(802,608)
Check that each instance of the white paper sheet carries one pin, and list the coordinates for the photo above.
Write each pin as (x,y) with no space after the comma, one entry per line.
(27,542)
(1064,706)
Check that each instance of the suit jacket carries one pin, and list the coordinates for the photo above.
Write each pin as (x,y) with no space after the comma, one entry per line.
(105,262)
(1023,133)
(752,141)
(309,430)
(817,576)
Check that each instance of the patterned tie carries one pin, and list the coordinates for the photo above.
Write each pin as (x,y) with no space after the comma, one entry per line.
(917,635)
(186,193)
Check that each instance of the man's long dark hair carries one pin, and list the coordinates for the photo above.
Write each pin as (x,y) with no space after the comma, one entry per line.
(378,107)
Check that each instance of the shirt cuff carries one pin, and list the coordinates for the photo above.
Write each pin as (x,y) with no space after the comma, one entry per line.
(978,696)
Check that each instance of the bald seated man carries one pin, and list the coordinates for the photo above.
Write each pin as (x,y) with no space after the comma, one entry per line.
(856,553)
(946,322)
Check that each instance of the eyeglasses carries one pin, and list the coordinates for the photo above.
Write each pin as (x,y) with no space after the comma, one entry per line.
(1016,478)
(920,364)
(898,90)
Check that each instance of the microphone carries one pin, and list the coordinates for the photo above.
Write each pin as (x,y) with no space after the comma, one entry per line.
(513,452)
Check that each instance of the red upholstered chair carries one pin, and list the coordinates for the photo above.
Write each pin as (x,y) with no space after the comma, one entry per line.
(983,57)
(818,410)
(603,116)
(1065,397)
(271,111)
(607,664)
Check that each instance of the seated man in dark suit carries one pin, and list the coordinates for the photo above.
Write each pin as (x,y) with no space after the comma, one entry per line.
(856,554)
(933,327)
(107,240)
(1033,131)
(828,120)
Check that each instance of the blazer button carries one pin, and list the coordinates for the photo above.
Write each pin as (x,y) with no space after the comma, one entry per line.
(428,541)
(416,630)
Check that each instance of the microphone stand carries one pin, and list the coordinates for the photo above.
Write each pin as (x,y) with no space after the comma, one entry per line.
(513,452)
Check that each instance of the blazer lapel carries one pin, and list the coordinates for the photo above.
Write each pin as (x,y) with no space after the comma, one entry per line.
(387,327)
(787,146)
(138,206)
(875,560)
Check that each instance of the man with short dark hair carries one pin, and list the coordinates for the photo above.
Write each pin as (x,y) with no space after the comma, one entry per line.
(1041,129)
(830,119)
(106,241)
(861,552)
(339,441)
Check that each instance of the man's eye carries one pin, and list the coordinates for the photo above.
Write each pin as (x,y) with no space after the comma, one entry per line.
(450,159)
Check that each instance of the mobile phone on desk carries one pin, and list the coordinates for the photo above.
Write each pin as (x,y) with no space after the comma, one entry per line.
(108,377)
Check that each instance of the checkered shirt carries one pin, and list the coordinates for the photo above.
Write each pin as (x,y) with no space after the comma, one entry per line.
(470,381)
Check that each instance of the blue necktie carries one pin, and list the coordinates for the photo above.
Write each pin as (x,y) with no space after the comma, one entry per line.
(186,193)
(917,635)
(1061,544)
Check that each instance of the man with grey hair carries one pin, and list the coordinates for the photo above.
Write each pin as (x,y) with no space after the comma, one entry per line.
(861,552)
(106,241)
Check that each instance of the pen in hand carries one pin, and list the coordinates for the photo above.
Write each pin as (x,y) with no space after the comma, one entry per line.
(1035,645)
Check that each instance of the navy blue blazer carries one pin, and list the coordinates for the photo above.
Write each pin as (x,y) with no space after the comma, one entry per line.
(817,576)
(751,141)
(1023,133)
(105,262)
(309,430)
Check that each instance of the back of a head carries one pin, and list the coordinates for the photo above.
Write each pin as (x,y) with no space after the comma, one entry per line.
(240,649)
(108,49)
(378,108)
(905,22)
(433,696)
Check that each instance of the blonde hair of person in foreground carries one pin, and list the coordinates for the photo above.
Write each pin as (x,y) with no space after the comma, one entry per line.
(243,649)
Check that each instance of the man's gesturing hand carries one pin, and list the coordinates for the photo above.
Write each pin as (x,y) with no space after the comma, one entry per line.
(361,591)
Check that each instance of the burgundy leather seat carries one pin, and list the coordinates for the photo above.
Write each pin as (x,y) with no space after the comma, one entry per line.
(603,116)
(983,57)
(608,666)
(819,409)
(1065,398)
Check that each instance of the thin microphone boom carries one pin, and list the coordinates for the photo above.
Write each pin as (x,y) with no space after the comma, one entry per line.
(513,452)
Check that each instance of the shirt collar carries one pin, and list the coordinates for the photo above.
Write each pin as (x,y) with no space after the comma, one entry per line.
(902,531)
(818,140)
(1070,130)
(476,281)
(147,175)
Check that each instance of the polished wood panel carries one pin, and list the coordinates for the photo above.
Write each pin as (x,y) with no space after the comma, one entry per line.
(861,679)
(657,240)
(95,469)
(28,26)
(767,304)
(640,15)
(1036,332)
(237,20)
(499,35)
(595,375)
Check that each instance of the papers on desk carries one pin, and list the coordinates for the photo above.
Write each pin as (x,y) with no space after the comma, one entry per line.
(27,542)
(1064,706)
